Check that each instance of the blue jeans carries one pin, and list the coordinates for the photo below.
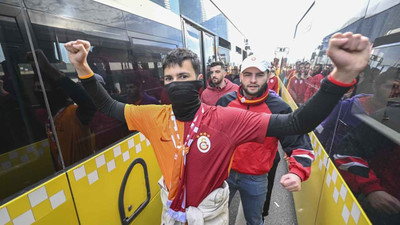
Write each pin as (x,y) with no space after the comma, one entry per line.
(253,190)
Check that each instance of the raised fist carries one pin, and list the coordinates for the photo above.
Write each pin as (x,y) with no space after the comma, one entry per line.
(77,52)
(349,53)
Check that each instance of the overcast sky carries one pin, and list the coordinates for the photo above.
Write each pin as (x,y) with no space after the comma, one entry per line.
(269,24)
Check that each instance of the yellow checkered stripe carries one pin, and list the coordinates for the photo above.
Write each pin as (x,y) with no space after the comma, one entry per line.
(96,183)
(337,199)
(49,203)
(337,204)
(23,155)
(111,159)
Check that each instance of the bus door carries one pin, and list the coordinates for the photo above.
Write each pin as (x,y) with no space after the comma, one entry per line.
(139,188)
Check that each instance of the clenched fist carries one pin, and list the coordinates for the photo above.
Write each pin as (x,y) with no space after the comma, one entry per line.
(349,53)
(291,182)
(77,54)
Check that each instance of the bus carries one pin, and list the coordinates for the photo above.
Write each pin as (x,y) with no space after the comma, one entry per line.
(357,146)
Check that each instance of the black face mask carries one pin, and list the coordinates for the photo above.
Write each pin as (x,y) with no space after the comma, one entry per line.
(184,96)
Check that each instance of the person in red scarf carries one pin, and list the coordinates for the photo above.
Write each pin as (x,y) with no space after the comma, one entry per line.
(254,164)
(194,142)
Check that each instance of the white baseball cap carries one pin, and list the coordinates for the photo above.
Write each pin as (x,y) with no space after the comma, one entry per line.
(254,61)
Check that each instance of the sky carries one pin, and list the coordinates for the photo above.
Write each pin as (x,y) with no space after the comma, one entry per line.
(269,24)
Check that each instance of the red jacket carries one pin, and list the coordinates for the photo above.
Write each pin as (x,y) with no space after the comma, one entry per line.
(273,84)
(255,158)
(313,86)
(211,95)
(297,88)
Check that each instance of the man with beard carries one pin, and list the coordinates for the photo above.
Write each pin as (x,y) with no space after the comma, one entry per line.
(253,166)
(134,92)
(314,81)
(217,85)
(297,85)
(194,142)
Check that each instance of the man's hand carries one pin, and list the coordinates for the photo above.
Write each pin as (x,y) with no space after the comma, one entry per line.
(349,53)
(291,182)
(286,157)
(384,202)
(77,54)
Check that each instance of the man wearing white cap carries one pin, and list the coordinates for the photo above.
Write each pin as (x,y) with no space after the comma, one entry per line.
(253,166)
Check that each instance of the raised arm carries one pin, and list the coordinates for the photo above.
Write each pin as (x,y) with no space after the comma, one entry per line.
(77,53)
(349,53)
(86,108)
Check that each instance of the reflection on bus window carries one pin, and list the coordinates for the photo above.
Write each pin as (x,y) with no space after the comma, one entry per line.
(224,55)
(193,41)
(148,56)
(345,116)
(209,49)
(24,149)
(118,64)
(368,161)
(71,109)
(172,5)
(133,92)
(362,136)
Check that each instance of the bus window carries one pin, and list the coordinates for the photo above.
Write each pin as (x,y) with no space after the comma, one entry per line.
(24,149)
(209,48)
(224,54)
(362,135)
(193,43)
(147,60)
(131,72)
(88,130)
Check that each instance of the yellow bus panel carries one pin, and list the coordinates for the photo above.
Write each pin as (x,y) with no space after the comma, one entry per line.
(96,183)
(306,200)
(48,203)
(30,164)
(324,198)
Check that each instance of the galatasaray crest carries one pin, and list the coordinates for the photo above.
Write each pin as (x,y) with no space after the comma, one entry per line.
(203,142)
